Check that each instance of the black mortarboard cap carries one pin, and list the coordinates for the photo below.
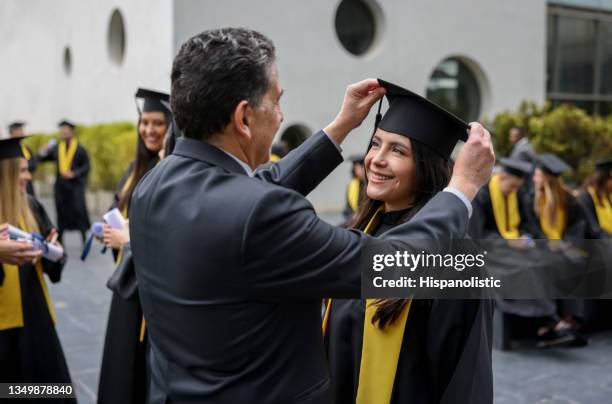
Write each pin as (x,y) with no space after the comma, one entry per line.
(415,117)
(66,122)
(604,165)
(16,125)
(154,101)
(10,148)
(552,164)
(518,168)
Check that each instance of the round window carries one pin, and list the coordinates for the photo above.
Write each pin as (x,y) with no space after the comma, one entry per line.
(455,87)
(357,25)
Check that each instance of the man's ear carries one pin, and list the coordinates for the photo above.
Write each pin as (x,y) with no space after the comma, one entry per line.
(241,118)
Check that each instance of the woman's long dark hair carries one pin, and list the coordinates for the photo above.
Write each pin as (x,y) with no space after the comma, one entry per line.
(432,174)
(145,160)
(598,180)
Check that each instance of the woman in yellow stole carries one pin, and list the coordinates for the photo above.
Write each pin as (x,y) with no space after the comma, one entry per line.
(402,350)
(596,198)
(30,351)
(123,375)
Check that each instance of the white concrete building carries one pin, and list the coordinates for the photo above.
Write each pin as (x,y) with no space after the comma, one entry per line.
(84,59)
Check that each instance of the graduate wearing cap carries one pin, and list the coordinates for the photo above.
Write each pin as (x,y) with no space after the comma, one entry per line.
(401,350)
(503,210)
(70,181)
(125,380)
(500,209)
(232,262)
(16,130)
(596,198)
(355,186)
(559,214)
(30,351)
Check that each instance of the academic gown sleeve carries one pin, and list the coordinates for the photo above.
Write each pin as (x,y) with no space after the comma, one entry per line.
(80,166)
(52,269)
(49,155)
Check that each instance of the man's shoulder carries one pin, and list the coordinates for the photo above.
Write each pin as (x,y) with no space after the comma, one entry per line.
(186,176)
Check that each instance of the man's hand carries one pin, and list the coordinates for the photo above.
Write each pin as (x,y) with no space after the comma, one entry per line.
(475,162)
(17,252)
(358,101)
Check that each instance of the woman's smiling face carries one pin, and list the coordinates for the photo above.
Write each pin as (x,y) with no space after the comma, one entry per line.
(390,170)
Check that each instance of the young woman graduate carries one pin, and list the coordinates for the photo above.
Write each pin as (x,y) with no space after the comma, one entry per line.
(123,375)
(562,220)
(30,351)
(596,198)
(408,351)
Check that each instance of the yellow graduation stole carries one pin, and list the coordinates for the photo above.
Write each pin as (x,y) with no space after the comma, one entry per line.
(505,210)
(380,350)
(11,310)
(603,210)
(552,231)
(64,158)
(352,193)
(26,153)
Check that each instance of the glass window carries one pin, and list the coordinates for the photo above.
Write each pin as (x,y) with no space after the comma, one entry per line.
(454,86)
(576,54)
(551,45)
(116,38)
(605,72)
(355,26)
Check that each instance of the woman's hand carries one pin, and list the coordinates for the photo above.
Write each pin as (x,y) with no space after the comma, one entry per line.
(115,238)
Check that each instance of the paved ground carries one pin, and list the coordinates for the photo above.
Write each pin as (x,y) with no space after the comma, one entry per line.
(576,376)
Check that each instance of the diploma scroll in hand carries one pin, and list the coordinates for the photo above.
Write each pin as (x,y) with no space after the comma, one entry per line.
(50,251)
(114,219)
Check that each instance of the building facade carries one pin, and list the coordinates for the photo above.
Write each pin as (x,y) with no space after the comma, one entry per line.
(84,59)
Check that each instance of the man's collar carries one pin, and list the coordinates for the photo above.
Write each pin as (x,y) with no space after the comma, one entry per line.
(208,153)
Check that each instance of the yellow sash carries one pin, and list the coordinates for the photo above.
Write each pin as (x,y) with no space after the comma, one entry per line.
(26,153)
(505,210)
(381,348)
(603,210)
(11,310)
(552,231)
(352,193)
(64,158)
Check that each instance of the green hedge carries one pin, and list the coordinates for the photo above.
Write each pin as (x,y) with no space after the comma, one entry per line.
(569,132)
(111,148)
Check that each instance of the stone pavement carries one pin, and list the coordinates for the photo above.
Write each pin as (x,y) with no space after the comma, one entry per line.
(555,376)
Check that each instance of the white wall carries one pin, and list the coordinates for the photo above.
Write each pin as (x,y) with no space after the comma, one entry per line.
(33,34)
(505,38)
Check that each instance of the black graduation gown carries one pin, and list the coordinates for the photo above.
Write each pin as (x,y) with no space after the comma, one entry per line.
(33,353)
(123,373)
(445,355)
(70,193)
(586,201)
(505,260)
(31,168)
